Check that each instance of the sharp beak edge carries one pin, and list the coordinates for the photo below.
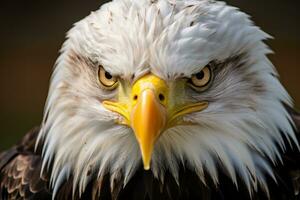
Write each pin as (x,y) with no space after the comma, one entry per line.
(148,119)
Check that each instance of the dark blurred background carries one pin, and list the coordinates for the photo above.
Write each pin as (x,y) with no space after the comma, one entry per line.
(32,31)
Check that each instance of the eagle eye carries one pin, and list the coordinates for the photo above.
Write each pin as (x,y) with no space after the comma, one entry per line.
(201,79)
(107,80)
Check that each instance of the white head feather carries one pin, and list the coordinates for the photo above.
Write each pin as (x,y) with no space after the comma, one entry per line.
(244,125)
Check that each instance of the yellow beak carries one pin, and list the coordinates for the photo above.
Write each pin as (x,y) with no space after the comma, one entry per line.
(148,111)
(148,116)
(148,119)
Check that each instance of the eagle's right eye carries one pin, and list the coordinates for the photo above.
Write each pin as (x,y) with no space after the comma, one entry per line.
(107,80)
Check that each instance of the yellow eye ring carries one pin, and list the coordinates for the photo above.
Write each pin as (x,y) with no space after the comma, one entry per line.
(106,79)
(201,79)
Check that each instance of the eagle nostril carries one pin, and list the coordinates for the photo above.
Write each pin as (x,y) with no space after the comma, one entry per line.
(135,97)
(161,97)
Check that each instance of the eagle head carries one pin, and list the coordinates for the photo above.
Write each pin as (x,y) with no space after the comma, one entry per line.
(162,84)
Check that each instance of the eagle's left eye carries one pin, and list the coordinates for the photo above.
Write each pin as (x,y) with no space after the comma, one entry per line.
(201,79)
(106,79)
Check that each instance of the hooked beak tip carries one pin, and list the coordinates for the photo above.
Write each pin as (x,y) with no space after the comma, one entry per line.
(146,167)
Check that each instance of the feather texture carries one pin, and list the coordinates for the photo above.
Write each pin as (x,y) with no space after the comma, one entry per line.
(243,129)
(21,178)
(242,142)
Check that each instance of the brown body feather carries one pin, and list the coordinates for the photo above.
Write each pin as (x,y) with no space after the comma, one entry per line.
(21,178)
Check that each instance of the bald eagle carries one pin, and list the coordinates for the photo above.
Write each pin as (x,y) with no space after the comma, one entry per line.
(161,99)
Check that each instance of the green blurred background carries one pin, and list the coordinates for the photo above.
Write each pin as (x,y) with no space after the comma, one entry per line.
(32,31)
